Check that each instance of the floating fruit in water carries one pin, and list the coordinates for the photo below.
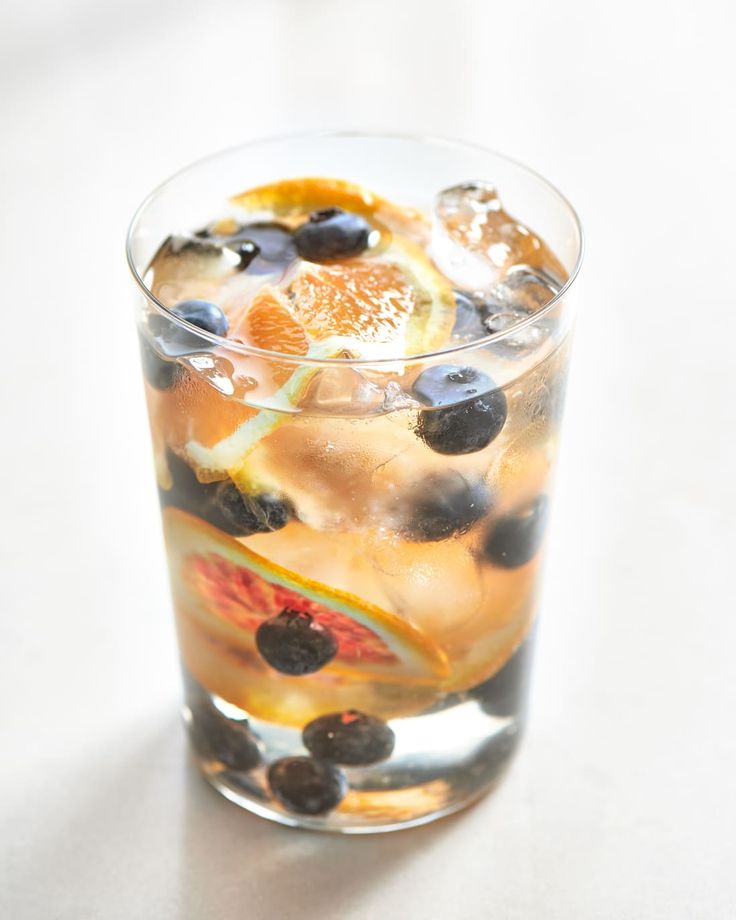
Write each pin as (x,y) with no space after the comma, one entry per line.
(350,738)
(443,505)
(223,592)
(306,786)
(292,197)
(468,410)
(295,643)
(332,233)
(515,539)
(216,738)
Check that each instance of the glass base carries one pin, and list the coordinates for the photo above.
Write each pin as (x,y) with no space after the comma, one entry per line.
(444,759)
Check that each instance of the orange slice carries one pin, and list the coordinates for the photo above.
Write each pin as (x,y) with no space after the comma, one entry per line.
(299,196)
(223,591)
(387,306)
(269,324)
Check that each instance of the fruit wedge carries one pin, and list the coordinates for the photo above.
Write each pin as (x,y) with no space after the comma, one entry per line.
(223,591)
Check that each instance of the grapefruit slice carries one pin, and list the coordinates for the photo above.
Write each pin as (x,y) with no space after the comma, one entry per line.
(223,591)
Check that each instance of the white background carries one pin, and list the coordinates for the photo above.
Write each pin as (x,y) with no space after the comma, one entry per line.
(623,801)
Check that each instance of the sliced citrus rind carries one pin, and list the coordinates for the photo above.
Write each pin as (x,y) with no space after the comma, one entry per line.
(299,196)
(237,677)
(430,325)
(229,454)
(231,590)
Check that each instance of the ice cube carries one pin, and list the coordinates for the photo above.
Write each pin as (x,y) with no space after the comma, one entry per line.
(440,591)
(457,235)
(188,267)
(499,318)
(528,286)
(395,398)
(524,290)
(342,391)
(474,241)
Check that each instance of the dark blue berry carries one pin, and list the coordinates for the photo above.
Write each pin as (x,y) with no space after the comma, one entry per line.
(306,786)
(242,515)
(505,693)
(263,247)
(203,314)
(447,385)
(351,738)
(160,372)
(174,340)
(222,504)
(332,234)
(515,538)
(468,410)
(295,643)
(187,492)
(214,737)
(444,504)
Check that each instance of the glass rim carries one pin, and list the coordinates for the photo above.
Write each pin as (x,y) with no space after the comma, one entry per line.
(301,360)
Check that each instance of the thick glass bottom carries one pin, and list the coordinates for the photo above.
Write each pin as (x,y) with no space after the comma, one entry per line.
(443,759)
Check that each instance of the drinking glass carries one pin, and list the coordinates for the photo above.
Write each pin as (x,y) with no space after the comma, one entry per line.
(396,545)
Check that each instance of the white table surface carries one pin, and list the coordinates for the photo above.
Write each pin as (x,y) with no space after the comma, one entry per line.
(622,803)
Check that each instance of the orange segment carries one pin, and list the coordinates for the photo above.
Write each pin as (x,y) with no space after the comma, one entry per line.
(368,301)
(269,324)
(397,300)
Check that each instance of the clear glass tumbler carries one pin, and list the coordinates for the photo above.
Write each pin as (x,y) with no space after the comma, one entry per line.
(397,540)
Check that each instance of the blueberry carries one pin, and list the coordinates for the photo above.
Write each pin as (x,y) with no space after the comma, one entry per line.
(505,693)
(174,341)
(214,737)
(295,643)
(460,421)
(263,247)
(162,373)
(514,539)
(187,492)
(306,786)
(351,738)
(204,314)
(443,505)
(222,504)
(242,515)
(332,234)
(447,385)
(469,324)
